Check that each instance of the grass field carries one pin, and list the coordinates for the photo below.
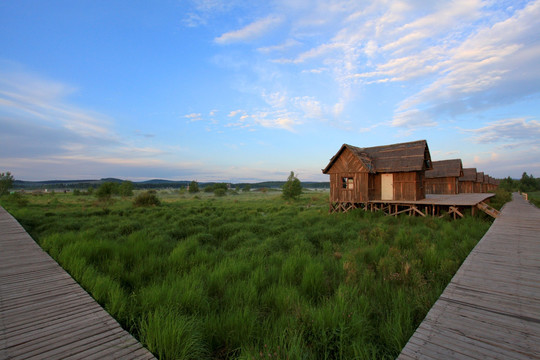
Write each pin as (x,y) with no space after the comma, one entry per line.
(250,276)
(534,198)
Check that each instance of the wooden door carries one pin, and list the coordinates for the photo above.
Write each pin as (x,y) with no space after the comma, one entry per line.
(387,186)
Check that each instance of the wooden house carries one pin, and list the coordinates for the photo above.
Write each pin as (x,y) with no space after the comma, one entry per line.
(444,177)
(479,183)
(488,183)
(467,181)
(380,173)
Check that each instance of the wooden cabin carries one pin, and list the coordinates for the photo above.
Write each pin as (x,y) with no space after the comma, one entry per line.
(467,181)
(390,172)
(444,177)
(485,184)
(479,183)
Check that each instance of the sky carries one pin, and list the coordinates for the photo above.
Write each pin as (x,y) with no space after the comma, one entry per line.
(247,91)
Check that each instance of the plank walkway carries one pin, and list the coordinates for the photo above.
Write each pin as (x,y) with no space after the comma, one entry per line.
(45,314)
(491,308)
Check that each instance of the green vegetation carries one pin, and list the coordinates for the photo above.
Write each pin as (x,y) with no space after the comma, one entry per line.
(6,182)
(109,188)
(193,187)
(534,198)
(147,198)
(501,197)
(292,188)
(527,183)
(251,276)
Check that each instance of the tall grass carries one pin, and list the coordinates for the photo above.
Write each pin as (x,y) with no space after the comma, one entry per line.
(253,278)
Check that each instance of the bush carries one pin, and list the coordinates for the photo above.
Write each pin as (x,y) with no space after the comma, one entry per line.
(193,187)
(126,189)
(220,192)
(6,182)
(146,199)
(292,188)
(106,190)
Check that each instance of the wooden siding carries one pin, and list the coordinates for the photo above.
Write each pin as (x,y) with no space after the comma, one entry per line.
(408,186)
(442,185)
(466,187)
(491,307)
(348,166)
(359,192)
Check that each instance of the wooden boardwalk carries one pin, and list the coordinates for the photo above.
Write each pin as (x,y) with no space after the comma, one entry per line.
(45,314)
(491,308)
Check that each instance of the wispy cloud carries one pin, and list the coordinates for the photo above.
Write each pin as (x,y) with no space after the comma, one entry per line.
(251,31)
(509,131)
(193,117)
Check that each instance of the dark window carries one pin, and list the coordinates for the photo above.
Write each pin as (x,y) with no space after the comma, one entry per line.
(347,183)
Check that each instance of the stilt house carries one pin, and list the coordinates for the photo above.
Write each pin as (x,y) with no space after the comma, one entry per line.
(485,185)
(443,178)
(391,172)
(467,181)
(479,183)
(492,184)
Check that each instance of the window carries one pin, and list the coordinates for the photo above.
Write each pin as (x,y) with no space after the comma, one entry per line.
(347,183)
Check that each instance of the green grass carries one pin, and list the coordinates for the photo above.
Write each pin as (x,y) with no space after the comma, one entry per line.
(534,198)
(251,276)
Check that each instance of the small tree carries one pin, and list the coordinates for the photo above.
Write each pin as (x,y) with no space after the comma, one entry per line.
(146,199)
(106,191)
(6,182)
(126,188)
(193,187)
(246,188)
(292,188)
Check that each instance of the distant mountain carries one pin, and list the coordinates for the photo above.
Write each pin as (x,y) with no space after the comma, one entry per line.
(150,184)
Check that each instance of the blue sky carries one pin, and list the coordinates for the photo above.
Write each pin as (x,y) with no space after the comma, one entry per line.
(247,91)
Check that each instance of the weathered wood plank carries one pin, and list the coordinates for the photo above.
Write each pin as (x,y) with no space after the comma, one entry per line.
(491,308)
(44,313)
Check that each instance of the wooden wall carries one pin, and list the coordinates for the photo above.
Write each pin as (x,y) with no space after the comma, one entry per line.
(466,187)
(478,187)
(446,185)
(409,185)
(358,193)
(366,186)
(348,165)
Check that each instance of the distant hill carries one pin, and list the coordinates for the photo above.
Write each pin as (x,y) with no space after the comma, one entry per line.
(150,184)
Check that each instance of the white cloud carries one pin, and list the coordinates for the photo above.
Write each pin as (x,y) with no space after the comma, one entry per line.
(288,44)
(251,31)
(28,96)
(194,117)
(513,131)
(496,65)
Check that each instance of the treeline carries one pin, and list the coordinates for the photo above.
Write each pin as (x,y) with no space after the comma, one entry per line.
(152,184)
(527,183)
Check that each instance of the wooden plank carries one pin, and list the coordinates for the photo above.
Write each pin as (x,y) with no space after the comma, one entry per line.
(491,308)
(44,313)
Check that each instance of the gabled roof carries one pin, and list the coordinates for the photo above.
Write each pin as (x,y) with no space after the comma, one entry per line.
(402,157)
(469,174)
(445,168)
(480,177)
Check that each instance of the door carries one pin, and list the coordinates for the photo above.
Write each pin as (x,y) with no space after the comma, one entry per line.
(387,186)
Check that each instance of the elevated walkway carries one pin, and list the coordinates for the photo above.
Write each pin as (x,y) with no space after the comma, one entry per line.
(491,308)
(45,314)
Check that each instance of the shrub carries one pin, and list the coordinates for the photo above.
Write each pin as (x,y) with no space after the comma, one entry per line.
(292,188)
(146,199)
(106,190)
(193,187)
(6,182)
(220,192)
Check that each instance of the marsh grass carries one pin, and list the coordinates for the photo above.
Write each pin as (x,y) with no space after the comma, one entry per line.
(204,277)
